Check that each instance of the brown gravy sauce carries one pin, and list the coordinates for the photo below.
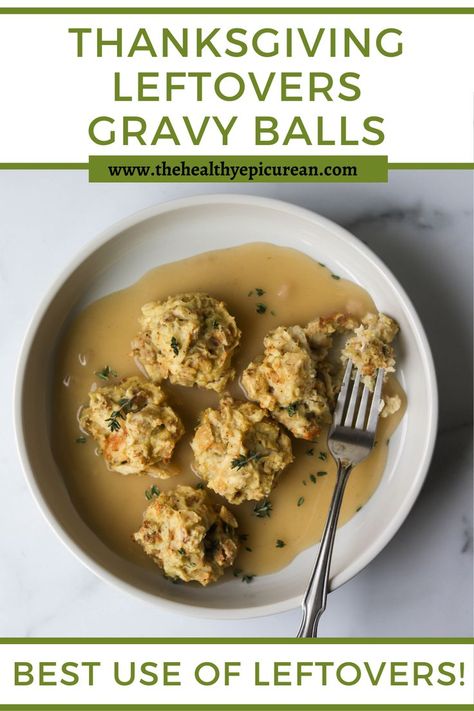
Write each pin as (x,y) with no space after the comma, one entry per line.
(297,289)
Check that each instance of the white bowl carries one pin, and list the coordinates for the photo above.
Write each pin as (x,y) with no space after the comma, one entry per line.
(180,229)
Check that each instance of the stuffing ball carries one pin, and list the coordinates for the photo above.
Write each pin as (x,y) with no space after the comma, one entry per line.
(291,382)
(188,338)
(239,451)
(134,427)
(370,348)
(189,536)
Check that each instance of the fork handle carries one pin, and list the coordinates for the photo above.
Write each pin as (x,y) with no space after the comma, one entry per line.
(314,602)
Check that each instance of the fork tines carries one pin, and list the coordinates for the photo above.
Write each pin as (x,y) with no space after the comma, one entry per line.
(348,398)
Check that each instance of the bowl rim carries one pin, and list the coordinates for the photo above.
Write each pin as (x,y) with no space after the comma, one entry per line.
(102,238)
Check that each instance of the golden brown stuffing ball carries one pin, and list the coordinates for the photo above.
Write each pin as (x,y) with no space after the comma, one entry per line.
(189,536)
(188,338)
(134,427)
(239,451)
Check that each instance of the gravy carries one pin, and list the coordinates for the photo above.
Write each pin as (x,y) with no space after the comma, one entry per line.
(297,289)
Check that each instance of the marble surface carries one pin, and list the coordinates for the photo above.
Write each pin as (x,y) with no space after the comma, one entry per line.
(420,223)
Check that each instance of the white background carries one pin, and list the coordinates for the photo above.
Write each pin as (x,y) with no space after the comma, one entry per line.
(425,95)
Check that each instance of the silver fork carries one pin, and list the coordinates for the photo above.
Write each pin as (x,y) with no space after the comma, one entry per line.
(349,444)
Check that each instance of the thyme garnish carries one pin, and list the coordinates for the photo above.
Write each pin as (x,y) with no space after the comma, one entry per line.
(300,501)
(259,292)
(242,460)
(310,452)
(292,409)
(151,492)
(126,405)
(263,509)
(261,308)
(323,456)
(106,373)
(313,478)
(174,345)
(322,473)
(247,578)
(81,440)
(279,543)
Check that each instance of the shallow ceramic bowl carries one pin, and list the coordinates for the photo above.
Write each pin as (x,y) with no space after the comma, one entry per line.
(180,229)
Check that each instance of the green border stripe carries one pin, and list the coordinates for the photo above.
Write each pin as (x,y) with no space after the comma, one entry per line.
(236,640)
(237,11)
(238,707)
(44,166)
(85,166)
(244,707)
(431,166)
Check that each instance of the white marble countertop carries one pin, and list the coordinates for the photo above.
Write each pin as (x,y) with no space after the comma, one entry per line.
(420,223)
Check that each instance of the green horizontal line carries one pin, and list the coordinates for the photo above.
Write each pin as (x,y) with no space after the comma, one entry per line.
(237,11)
(44,166)
(85,166)
(239,707)
(236,640)
(431,166)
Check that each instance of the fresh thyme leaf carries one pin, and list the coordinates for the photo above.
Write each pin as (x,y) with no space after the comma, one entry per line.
(313,478)
(247,578)
(358,509)
(151,492)
(321,264)
(261,308)
(247,548)
(181,551)
(133,404)
(174,345)
(323,456)
(215,324)
(237,572)
(273,312)
(243,536)
(310,452)
(300,501)
(250,293)
(112,423)
(263,509)
(259,292)
(106,373)
(242,460)
(304,482)
(200,485)
(334,276)
(322,473)
(81,440)
(279,543)
(292,409)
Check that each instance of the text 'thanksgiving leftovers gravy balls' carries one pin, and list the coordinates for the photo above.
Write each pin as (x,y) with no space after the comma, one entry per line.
(135,428)
(189,536)
(188,338)
(239,451)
